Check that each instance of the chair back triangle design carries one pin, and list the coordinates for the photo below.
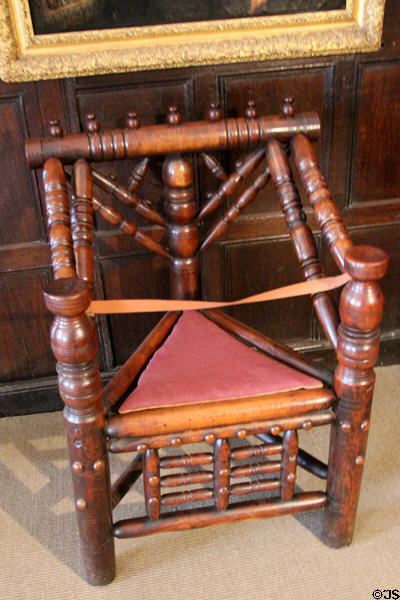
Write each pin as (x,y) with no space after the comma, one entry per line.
(269,415)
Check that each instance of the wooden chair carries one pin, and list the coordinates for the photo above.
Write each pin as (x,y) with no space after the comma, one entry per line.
(202,383)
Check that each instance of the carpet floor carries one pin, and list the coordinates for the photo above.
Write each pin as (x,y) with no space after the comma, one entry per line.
(259,560)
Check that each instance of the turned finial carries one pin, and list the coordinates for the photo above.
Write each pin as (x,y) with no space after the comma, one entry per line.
(366,263)
(55,129)
(287,107)
(132,120)
(214,112)
(251,110)
(92,124)
(67,297)
(174,117)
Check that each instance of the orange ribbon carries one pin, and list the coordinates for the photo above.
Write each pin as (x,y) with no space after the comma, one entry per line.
(316,286)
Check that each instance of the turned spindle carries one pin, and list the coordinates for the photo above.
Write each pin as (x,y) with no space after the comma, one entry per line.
(326,212)
(186,479)
(236,208)
(182,233)
(138,174)
(242,170)
(187,460)
(214,166)
(82,221)
(222,454)
(58,219)
(289,463)
(301,236)
(151,483)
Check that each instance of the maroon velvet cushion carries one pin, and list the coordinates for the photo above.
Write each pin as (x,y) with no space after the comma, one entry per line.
(200,362)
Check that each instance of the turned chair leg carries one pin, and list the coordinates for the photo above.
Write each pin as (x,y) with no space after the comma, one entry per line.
(74,343)
(361,308)
(91,481)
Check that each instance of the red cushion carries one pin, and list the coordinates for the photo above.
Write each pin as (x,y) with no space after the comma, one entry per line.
(200,362)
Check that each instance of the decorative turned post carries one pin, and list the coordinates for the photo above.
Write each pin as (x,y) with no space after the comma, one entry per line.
(361,308)
(222,470)
(74,344)
(182,232)
(82,221)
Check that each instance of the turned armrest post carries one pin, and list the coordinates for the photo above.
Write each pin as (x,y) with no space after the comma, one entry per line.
(325,210)
(58,219)
(74,344)
(361,309)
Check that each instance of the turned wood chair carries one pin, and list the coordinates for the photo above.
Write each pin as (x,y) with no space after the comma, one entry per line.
(193,380)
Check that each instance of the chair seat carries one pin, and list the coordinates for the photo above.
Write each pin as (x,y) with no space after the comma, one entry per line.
(201,363)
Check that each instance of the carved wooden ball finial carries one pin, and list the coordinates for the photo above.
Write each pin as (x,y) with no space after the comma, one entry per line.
(55,129)
(214,112)
(132,120)
(177,172)
(287,107)
(251,110)
(174,117)
(92,124)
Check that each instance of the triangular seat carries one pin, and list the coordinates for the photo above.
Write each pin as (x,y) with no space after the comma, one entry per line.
(201,363)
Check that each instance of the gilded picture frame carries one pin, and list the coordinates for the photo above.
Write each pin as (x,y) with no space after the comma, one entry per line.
(25,56)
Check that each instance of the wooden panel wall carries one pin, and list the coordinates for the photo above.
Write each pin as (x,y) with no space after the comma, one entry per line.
(358,99)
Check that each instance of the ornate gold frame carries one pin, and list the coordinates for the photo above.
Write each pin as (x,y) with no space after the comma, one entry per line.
(25,56)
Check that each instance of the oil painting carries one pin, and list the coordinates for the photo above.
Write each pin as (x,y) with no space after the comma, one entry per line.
(45,39)
(52,16)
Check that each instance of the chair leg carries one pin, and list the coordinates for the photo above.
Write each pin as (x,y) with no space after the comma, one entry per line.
(92,491)
(74,343)
(346,458)
(361,307)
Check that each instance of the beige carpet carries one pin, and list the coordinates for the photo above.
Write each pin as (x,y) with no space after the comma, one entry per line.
(264,560)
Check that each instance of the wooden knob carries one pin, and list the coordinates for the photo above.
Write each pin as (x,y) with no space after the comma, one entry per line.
(251,111)
(132,120)
(287,107)
(214,112)
(177,172)
(55,129)
(366,263)
(92,124)
(174,117)
(67,297)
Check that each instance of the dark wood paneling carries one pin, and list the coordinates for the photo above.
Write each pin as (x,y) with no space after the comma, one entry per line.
(19,220)
(252,267)
(25,326)
(376,172)
(139,276)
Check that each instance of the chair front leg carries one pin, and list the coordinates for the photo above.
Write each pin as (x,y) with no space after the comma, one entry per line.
(74,343)
(361,308)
